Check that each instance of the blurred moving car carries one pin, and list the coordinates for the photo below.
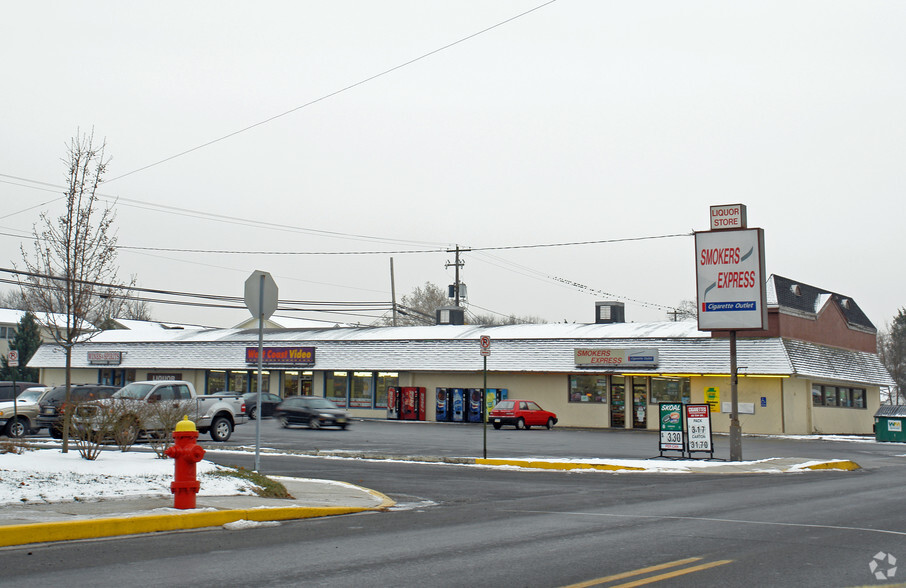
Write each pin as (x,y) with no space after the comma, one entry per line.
(19,418)
(268,402)
(51,405)
(522,414)
(314,411)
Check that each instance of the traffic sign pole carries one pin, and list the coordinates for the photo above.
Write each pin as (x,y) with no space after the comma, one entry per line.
(261,300)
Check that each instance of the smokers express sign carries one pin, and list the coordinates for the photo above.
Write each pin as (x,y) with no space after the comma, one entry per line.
(730,279)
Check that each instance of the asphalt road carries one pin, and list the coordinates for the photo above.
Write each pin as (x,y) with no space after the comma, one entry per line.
(465,525)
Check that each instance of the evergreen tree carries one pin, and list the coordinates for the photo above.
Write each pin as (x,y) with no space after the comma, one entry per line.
(892,350)
(26,342)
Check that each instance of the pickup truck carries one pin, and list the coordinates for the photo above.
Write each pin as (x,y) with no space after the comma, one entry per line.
(217,415)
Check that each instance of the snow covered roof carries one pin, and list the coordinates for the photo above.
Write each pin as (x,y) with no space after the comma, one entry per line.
(810,300)
(682,349)
(11,316)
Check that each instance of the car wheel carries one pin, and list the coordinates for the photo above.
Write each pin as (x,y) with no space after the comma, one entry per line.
(253,413)
(56,432)
(284,422)
(343,426)
(221,429)
(550,424)
(16,428)
(520,424)
(314,423)
(497,425)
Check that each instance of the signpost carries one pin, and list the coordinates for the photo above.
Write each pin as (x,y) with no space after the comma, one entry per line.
(485,343)
(12,360)
(730,286)
(261,300)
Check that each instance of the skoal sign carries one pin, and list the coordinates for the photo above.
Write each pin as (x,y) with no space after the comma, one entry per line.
(730,278)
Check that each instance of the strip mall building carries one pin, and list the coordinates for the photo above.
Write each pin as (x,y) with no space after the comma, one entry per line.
(814,370)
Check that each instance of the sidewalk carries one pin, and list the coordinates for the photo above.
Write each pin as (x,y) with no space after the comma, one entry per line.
(39,523)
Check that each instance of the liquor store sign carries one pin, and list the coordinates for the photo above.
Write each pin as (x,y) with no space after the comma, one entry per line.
(281,355)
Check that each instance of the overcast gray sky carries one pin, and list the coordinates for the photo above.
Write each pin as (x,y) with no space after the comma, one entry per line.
(579,121)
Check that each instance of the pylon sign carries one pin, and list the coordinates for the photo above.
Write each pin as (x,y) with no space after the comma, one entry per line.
(730,279)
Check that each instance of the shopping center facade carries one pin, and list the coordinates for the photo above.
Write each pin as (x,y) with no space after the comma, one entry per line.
(814,370)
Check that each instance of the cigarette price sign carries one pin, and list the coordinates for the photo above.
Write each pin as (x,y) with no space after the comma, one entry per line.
(698,428)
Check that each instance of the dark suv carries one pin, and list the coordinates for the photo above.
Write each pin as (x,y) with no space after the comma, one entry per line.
(9,392)
(50,413)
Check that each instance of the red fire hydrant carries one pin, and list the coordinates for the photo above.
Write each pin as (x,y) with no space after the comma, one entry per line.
(186,453)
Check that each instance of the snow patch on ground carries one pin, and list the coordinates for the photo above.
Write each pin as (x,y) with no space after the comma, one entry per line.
(48,475)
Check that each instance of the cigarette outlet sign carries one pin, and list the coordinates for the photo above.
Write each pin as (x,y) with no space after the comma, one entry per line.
(730,279)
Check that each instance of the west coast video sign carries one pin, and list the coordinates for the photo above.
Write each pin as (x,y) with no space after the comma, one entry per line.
(281,355)
(608,357)
(730,279)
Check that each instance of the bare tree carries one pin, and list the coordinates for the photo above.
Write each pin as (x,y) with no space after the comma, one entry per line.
(71,271)
(418,308)
(892,352)
(686,311)
(13,299)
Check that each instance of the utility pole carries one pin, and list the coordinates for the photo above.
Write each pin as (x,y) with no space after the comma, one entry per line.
(393,291)
(458,264)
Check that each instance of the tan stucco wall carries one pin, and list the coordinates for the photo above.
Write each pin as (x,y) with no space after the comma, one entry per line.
(768,419)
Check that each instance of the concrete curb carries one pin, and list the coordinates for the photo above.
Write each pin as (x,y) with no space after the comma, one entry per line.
(110,527)
(553,465)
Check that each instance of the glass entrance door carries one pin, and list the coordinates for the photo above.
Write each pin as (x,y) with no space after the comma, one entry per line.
(639,403)
(617,402)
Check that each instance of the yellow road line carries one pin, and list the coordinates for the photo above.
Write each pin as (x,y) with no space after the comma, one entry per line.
(675,573)
(629,574)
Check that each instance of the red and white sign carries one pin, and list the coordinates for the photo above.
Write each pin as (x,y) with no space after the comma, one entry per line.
(728,216)
(12,358)
(698,427)
(485,342)
(730,280)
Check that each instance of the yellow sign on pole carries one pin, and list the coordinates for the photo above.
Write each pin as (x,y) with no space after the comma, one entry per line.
(712,397)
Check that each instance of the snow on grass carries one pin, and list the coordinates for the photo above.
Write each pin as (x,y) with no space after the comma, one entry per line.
(48,475)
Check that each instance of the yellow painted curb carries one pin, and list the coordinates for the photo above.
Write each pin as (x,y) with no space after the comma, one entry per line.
(551,465)
(110,527)
(835,465)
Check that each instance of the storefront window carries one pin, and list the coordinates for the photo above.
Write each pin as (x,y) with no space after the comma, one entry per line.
(239,382)
(588,388)
(384,381)
(217,381)
(830,396)
(360,390)
(671,390)
(817,395)
(858,398)
(335,388)
(265,381)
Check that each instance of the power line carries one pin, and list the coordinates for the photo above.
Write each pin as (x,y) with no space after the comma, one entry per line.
(336,92)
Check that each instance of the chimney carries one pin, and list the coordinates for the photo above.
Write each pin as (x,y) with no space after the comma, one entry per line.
(608,312)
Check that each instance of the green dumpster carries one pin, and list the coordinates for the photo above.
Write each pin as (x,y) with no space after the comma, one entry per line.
(890,424)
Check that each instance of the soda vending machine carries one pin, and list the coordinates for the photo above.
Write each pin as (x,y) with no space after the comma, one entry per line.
(474,414)
(412,404)
(442,405)
(493,396)
(393,403)
(459,405)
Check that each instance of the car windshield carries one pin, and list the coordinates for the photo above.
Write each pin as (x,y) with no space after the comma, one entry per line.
(321,403)
(31,395)
(134,390)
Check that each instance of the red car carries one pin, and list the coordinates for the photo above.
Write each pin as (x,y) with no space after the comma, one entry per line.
(523,414)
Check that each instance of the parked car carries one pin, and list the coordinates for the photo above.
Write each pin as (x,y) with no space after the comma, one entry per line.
(314,411)
(51,405)
(20,418)
(268,402)
(522,414)
(11,390)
